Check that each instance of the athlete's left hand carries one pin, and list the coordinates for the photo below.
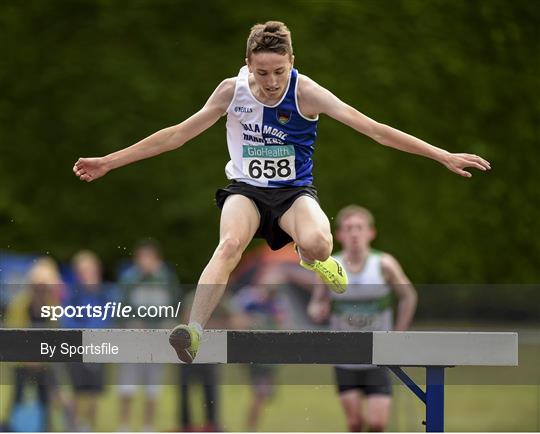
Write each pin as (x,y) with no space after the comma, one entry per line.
(457,162)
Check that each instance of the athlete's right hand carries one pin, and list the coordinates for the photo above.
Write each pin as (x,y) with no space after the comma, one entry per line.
(90,169)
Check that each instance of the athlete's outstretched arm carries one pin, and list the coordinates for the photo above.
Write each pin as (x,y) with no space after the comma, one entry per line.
(167,139)
(320,100)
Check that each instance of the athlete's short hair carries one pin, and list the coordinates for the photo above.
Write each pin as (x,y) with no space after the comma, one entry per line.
(355,210)
(270,37)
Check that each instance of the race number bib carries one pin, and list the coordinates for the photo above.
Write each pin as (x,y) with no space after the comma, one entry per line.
(359,315)
(273,163)
(357,322)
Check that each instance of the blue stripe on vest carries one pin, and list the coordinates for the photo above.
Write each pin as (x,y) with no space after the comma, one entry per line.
(301,133)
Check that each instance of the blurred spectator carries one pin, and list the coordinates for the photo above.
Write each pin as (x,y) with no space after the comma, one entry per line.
(148,282)
(266,300)
(43,288)
(87,378)
(374,277)
(267,266)
(258,307)
(204,374)
(278,269)
(14,269)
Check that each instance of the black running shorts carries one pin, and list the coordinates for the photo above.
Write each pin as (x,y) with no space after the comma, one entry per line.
(271,203)
(87,377)
(371,381)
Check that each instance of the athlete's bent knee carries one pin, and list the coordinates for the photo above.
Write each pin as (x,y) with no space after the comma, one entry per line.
(317,245)
(229,249)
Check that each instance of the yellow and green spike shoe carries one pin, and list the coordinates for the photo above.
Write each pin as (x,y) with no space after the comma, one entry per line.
(331,272)
(185,340)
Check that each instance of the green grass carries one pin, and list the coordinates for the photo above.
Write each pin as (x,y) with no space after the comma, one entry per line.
(316,408)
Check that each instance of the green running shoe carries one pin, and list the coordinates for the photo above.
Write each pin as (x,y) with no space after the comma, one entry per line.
(331,272)
(185,340)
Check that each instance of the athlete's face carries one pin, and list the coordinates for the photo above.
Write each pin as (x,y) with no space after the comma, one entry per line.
(355,233)
(271,72)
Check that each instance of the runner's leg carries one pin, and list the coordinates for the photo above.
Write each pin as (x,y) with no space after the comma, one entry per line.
(309,227)
(239,222)
(351,401)
(378,412)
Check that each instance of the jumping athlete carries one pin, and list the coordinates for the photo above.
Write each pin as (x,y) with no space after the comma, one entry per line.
(272,113)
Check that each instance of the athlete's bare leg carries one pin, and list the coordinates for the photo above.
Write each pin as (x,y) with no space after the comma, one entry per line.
(376,415)
(239,222)
(256,406)
(351,401)
(309,227)
(378,412)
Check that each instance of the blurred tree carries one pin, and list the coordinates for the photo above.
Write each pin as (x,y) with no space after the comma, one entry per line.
(84,78)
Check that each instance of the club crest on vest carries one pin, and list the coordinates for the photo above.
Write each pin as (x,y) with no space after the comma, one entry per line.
(283,116)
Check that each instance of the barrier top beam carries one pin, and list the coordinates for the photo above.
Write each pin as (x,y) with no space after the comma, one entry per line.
(279,347)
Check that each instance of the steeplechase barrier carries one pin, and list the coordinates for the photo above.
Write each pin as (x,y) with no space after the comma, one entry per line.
(433,351)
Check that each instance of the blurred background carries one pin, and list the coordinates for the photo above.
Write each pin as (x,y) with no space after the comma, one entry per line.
(86,78)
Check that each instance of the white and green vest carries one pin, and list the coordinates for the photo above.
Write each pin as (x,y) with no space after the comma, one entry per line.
(367,303)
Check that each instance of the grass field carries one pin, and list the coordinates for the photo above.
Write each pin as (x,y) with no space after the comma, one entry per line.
(315,408)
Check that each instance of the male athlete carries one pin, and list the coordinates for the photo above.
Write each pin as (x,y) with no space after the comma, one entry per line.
(374,277)
(272,113)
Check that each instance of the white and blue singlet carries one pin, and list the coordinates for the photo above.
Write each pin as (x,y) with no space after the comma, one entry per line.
(269,146)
